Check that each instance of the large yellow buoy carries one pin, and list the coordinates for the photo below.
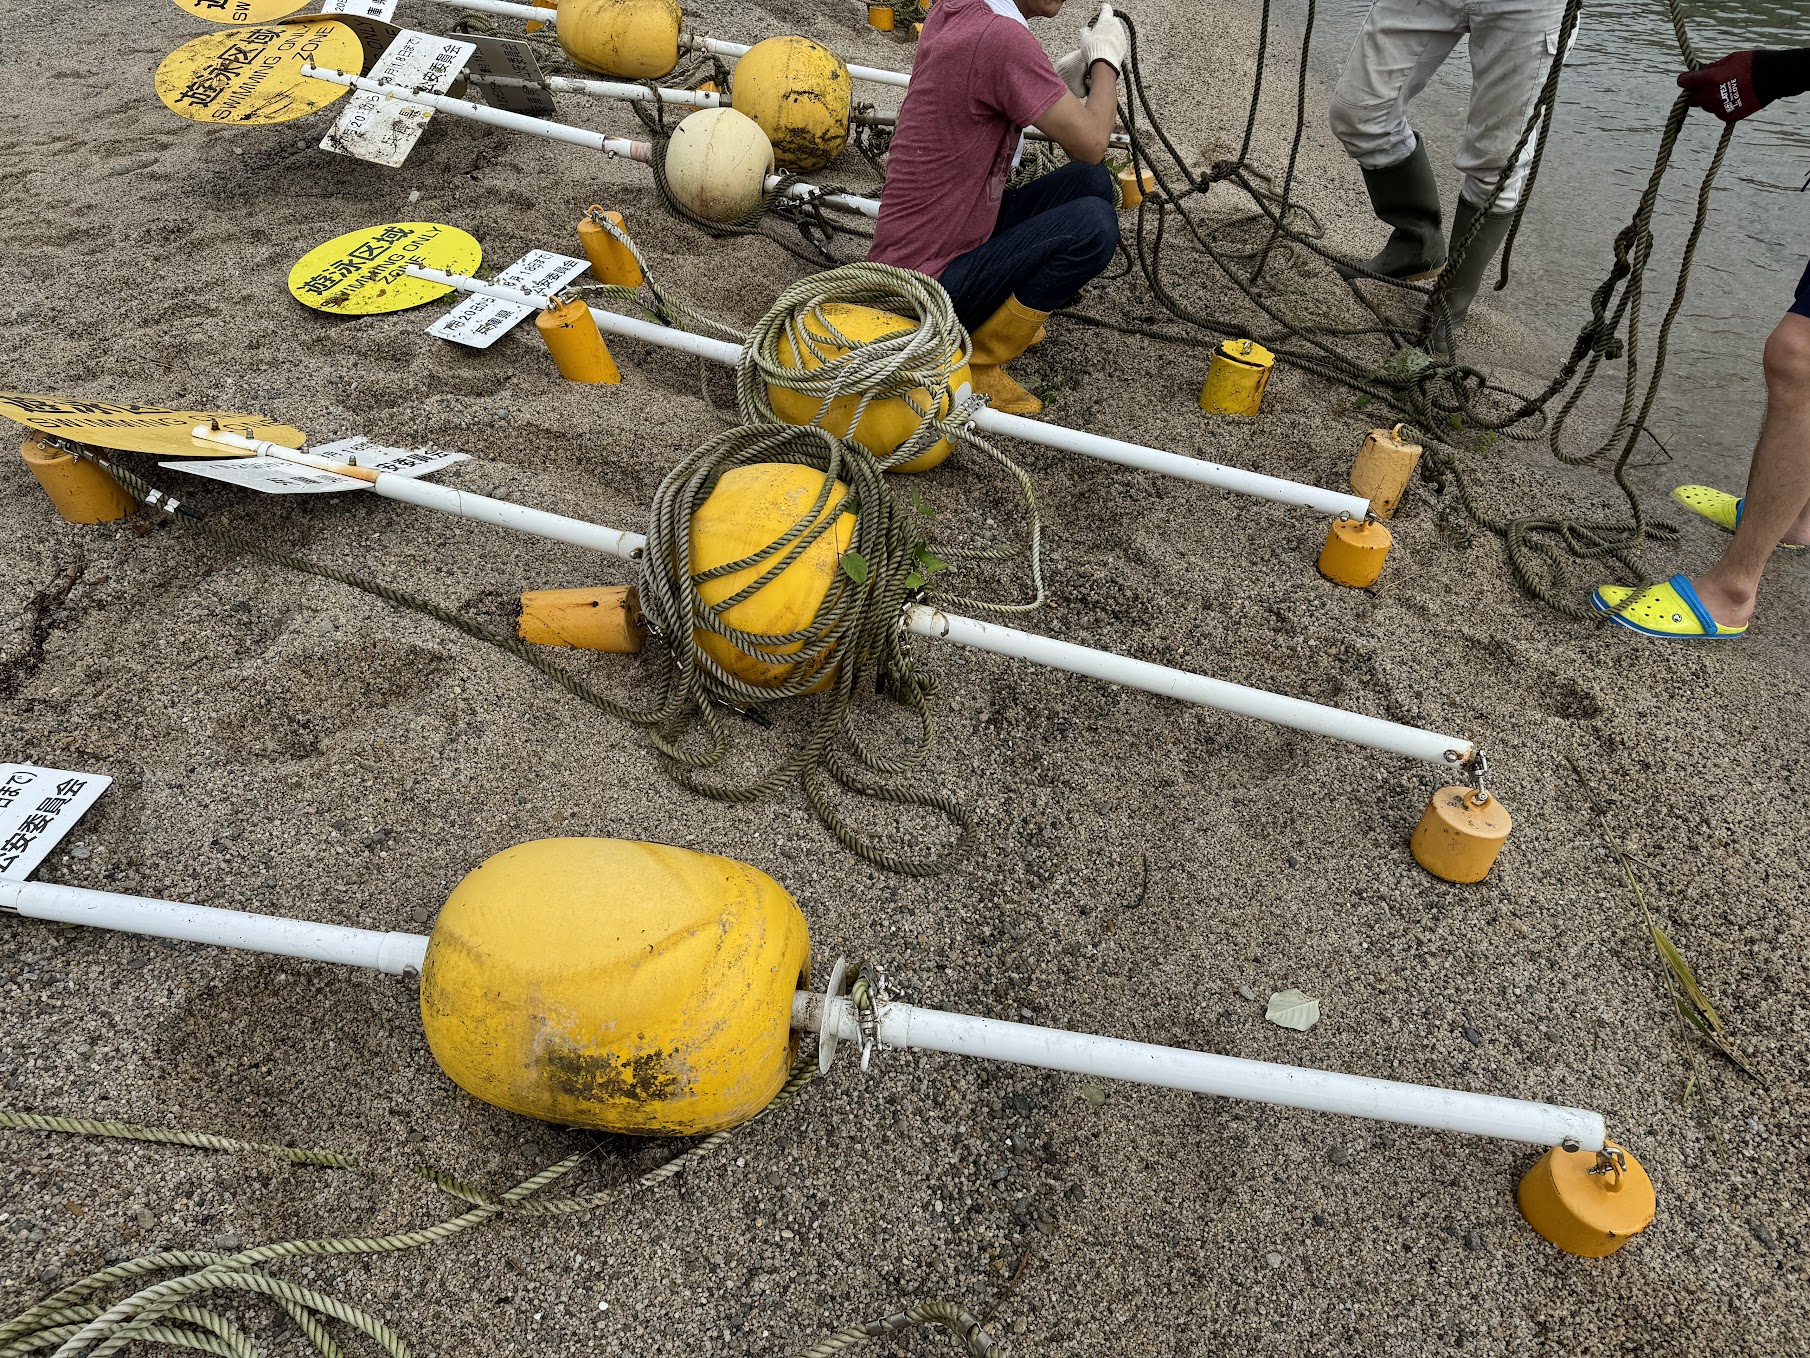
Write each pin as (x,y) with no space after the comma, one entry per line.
(799,93)
(627,987)
(751,508)
(628,39)
(885,424)
(717,164)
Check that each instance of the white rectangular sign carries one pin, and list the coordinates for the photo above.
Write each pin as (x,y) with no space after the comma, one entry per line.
(381,129)
(513,60)
(479,321)
(37,808)
(369,9)
(274,476)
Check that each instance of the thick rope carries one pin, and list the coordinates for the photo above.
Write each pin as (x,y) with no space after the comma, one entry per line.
(1429,395)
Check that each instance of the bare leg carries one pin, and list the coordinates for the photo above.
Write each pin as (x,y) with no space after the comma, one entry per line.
(1778,480)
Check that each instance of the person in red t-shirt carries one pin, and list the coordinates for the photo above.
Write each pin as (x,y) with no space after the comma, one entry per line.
(1007,257)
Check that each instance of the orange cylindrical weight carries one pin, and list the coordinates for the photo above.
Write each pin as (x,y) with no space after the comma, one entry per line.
(1585,1207)
(881,17)
(1460,833)
(611,260)
(1384,466)
(1133,186)
(1354,552)
(575,343)
(81,491)
(603,619)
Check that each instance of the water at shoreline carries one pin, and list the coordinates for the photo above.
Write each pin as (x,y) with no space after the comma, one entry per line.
(1616,94)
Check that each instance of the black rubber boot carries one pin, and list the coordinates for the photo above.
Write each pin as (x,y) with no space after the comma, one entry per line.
(1452,303)
(1405,196)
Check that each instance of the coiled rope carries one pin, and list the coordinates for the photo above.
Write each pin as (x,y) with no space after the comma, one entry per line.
(74,1323)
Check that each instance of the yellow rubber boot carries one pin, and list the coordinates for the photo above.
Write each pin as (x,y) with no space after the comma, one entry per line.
(1002,337)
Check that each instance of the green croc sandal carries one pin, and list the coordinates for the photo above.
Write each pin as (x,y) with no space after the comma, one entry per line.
(1671,611)
(1720,508)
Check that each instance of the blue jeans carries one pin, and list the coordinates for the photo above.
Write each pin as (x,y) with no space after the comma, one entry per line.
(1054,235)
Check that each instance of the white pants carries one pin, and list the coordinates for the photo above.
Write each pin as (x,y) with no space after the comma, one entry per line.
(1400,46)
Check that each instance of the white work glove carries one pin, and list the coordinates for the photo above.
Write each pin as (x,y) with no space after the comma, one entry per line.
(1073,70)
(1106,39)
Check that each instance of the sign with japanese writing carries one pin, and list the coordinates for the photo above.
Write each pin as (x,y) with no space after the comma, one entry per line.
(255,75)
(479,321)
(37,808)
(374,36)
(274,476)
(364,9)
(239,11)
(512,59)
(383,128)
(136,428)
(365,272)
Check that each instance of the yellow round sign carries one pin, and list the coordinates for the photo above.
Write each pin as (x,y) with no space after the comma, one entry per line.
(363,272)
(254,75)
(135,428)
(240,11)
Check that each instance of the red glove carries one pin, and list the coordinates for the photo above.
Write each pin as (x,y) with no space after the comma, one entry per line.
(1725,88)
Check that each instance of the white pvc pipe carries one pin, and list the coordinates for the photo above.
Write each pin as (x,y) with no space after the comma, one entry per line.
(561,132)
(1324,1091)
(987,420)
(448,500)
(392,952)
(1183,686)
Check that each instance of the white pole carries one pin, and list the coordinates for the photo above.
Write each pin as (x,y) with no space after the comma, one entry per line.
(611,89)
(987,420)
(904,1025)
(1275,708)
(392,952)
(561,132)
(460,504)
(690,41)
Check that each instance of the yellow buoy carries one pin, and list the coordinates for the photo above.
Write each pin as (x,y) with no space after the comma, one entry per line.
(1585,1203)
(717,164)
(1354,552)
(799,93)
(1461,832)
(606,618)
(576,344)
(884,424)
(80,491)
(1236,378)
(628,39)
(1384,466)
(626,987)
(750,508)
(611,260)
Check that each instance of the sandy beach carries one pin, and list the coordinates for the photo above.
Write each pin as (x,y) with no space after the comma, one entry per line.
(284,745)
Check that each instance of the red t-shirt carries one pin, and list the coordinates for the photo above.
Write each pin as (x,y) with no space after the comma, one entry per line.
(979,80)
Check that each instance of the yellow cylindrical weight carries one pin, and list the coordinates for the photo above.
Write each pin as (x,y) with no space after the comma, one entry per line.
(885,424)
(799,93)
(1354,552)
(1460,833)
(1133,185)
(80,491)
(607,618)
(881,17)
(751,508)
(577,347)
(631,988)
(1583,1211)
(1384,466)
(1236,379)
(611,260)
(717,164)
(628,39)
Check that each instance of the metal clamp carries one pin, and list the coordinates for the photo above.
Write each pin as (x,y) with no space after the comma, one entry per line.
(1476,769)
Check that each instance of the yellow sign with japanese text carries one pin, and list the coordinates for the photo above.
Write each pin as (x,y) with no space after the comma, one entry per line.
(255,75)
(364,272)
(137,428)
(240,11)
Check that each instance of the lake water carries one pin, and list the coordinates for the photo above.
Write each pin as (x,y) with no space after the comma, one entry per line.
(1616,93)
